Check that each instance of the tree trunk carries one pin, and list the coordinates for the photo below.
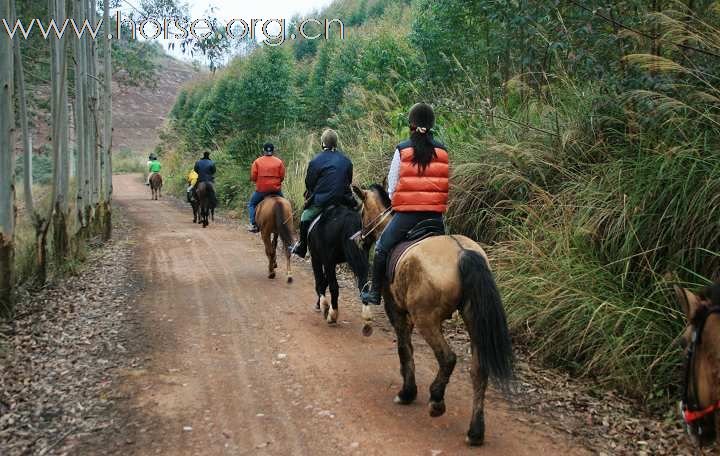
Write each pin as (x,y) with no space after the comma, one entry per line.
(7,168)
(60,141)
(82,165)
(106,162)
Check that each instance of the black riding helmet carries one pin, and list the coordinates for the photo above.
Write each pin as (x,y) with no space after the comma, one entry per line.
(268,149)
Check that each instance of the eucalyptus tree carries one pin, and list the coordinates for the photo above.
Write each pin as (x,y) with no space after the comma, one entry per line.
(7,167)
(106,156)
(60,146)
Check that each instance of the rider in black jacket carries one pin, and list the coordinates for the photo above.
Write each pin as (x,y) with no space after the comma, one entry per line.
(328,182)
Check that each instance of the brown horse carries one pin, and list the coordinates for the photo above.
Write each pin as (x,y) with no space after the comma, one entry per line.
(275,219)
(438,276)
(701,340)
(156,183)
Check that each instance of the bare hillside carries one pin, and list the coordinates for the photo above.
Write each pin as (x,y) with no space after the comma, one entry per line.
(139,113)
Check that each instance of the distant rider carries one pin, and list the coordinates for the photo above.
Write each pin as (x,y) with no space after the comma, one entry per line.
(418,184)
(152,158)
(268,173)
(153,167)
(328,182)
(191,179)
(206,172)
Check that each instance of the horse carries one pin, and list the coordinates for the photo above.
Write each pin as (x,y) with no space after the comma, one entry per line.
(207,201)
(331,243)
(275,219)
(156,183)
(436,277)
(701,341)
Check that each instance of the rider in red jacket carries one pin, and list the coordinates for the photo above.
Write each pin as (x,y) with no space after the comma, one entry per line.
(268,173)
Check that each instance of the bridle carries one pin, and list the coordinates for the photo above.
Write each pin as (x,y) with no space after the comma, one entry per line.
(373,225)
(691,410)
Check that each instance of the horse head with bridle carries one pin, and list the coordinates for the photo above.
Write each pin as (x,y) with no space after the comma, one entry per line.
(156,183)
(436,277)
(207,202)
(701,340)
(274,217)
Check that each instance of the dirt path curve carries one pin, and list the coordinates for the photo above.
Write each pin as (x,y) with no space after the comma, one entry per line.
(252,369)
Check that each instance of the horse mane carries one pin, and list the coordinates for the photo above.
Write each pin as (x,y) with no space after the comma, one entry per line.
(382,193)
(711,293)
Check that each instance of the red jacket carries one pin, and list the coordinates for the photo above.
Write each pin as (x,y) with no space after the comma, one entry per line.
(268,172)
(426,192)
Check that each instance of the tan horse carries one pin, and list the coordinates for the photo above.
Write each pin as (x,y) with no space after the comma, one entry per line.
(156,183)
(275,219)
(701,340)
(435,278)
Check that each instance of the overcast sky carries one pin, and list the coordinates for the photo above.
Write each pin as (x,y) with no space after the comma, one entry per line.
(256,9)
(226,10)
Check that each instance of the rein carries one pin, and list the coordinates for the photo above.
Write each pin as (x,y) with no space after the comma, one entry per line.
(690,406)
(374,224)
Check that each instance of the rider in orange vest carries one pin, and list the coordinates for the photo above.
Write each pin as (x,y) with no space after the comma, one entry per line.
(418,184)
(268,173)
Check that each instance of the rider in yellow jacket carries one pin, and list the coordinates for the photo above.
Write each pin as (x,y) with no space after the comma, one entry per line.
(192,179)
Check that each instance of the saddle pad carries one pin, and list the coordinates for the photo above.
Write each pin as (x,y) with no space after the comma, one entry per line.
(314,222)
(399,251)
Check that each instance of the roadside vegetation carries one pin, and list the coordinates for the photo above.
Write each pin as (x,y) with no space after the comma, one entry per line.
(584,138)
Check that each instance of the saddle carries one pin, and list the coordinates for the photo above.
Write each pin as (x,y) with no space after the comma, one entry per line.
(317,219)
(420,232)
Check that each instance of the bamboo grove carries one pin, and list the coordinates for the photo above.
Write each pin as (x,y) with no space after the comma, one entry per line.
(77,203)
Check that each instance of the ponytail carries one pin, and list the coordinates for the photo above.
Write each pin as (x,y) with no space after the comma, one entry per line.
(423,148)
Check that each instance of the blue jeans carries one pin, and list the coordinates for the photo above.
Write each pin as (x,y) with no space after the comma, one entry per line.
(256,199)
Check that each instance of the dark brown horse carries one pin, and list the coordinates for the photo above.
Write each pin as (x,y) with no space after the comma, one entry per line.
(438,276)
(207,201)
(275,219)
(156,183)
(701,340)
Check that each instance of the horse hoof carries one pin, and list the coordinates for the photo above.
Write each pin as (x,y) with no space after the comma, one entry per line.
(289,280)
(367,330)
(271,275)
(317,307)
(332,316)
(400,401)
(436,409)
(474,441)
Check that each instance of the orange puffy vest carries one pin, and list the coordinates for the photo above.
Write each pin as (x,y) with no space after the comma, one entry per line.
(268,173)
(426,192)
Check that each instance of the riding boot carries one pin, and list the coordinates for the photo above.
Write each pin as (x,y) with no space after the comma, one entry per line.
(378,277)
(300,249)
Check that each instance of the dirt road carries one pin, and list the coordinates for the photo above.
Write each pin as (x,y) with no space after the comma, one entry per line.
(239,364)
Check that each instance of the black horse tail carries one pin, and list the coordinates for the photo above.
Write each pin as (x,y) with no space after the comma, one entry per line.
(489,332)
(281,224)
(354,254)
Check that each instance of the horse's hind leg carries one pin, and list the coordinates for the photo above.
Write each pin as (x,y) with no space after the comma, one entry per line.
(270,253)
(274,247)
(403,328)
(476,433)
(331,275)
(320,285)
(432,333)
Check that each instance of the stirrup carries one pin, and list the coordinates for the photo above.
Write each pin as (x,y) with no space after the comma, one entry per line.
(295,248)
